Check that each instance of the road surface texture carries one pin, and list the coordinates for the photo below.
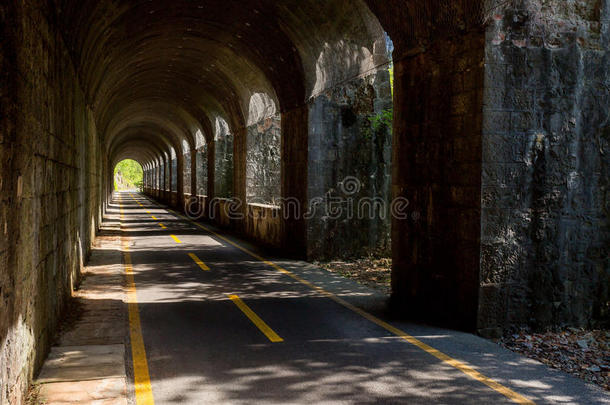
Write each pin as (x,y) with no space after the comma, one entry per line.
(213,321)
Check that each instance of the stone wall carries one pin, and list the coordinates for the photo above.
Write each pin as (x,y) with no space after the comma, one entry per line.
(187,172)
(349,162)
(50,188)
(545,229)
(223,175)
(174,175)
(263,161)
(202,170)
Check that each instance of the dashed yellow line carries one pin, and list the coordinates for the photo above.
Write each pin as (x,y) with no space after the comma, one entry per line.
(256,320)
(175,238)
(162,226)
(464,368)
(199,262)
(155,218)
(143,388)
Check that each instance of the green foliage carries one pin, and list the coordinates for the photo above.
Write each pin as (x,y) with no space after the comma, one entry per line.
(382,119)
(128,175)
(379,122)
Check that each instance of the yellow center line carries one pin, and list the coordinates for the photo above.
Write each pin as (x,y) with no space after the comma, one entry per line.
(175,238)
(198,261)
(143,388)
(155,218)
(260,324)
(148,212)
(463,367)
(162,226)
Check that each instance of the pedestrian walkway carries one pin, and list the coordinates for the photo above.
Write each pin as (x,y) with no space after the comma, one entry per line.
(87,366)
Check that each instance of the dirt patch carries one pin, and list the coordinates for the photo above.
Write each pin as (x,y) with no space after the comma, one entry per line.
(580,352)
(373,272)
(72,314)
(33,396)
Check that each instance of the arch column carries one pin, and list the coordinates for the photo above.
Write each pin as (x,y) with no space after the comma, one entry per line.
(180,181)
(436,240)
(194,197)
(294,179)
(166,177)
(157,179)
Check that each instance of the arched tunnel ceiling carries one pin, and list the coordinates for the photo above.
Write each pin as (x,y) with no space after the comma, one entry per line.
(168,68)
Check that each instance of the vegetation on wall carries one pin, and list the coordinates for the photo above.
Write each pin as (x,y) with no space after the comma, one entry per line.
(128,175)
(382,120)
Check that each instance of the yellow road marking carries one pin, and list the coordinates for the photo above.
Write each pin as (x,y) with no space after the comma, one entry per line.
(175,238)
(162,226)
(198,261)
(153,217)
(143,388)
(148,212)
(260,324)
(463,367)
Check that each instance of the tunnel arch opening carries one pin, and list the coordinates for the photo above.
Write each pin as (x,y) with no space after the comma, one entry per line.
(128,176)
(223,159)
(263,151)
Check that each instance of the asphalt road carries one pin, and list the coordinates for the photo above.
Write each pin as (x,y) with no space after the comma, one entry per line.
(246,332)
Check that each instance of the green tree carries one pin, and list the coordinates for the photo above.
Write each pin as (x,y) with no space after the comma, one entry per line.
(128,175)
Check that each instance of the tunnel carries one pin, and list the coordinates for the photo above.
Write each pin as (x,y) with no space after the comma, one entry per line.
(467,139)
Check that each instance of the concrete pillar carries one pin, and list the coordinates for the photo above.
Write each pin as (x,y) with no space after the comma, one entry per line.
(165,180)
(159,180)
(180,181)
(170,169)
(436,240)
(294,178)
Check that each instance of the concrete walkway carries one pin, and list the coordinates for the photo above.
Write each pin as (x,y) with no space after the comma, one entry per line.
(212,321)
(88,364)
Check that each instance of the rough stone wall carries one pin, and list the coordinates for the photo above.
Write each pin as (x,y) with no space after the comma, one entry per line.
(263,161)
(50,188)
(545,229)
(223,175)
(349,166)
(174,175)
(187,172)
(202,170)
(165,176)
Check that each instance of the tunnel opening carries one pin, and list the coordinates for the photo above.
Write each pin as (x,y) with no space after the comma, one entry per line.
(223,159)
(201,148)
(350,155)
(128,176)
(263,156)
